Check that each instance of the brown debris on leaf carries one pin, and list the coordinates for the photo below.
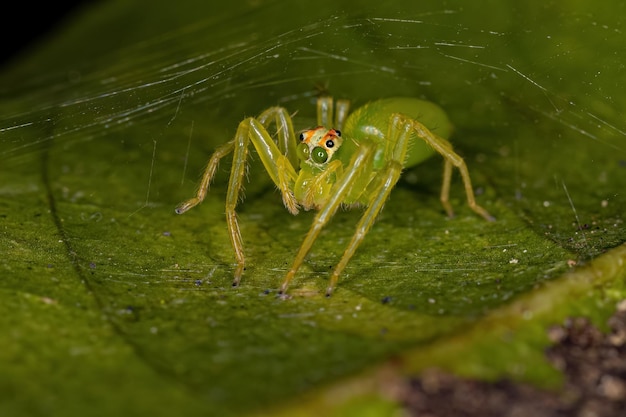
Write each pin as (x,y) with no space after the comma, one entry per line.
(593,363)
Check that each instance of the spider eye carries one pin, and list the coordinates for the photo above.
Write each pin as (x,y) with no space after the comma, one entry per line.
(301,137)
(303,151)
(338,132)
(330,143)
(319,155)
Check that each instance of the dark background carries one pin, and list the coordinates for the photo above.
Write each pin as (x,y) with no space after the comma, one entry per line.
(25,24)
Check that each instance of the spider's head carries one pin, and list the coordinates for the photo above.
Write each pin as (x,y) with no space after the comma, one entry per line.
(318,145)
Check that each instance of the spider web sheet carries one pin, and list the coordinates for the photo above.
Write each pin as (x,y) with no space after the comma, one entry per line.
(101,137)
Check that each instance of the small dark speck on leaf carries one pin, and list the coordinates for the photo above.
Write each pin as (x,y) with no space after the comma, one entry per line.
(283,296)
(198,282)
(92,265)
(386,300)
(130,312)
(167,234)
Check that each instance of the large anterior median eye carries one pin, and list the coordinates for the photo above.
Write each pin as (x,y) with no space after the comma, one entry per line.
(303,151)
(319,155)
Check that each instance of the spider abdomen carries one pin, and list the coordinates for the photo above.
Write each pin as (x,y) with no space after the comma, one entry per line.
(371,123)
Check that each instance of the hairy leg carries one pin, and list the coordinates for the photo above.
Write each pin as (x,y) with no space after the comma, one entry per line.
(381,186)
(208,175)
(444,148)
(340,189)
(276,163)
(286,138)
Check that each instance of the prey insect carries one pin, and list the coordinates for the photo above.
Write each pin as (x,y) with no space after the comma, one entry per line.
(350,159)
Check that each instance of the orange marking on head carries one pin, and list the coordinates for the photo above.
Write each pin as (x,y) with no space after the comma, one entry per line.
(331,135)
(308,135)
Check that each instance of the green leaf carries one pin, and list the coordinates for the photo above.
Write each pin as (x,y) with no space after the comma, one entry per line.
(112,304)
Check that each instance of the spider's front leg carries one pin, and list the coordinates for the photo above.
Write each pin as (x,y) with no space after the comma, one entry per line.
(337,196)
(275,159)
(377,193)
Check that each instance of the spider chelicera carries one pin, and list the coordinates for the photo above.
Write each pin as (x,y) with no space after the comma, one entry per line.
(357,161)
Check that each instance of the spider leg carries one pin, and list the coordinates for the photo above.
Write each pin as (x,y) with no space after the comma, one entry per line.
(285,184)
(444,148)
(208,175)
(334,168)
(383,183)
(324,111)
(342,108)
(284,131)
(445,188)
(235,181)
(340,190)
(387,179)
(276,163)
(286,147)
(326,108)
